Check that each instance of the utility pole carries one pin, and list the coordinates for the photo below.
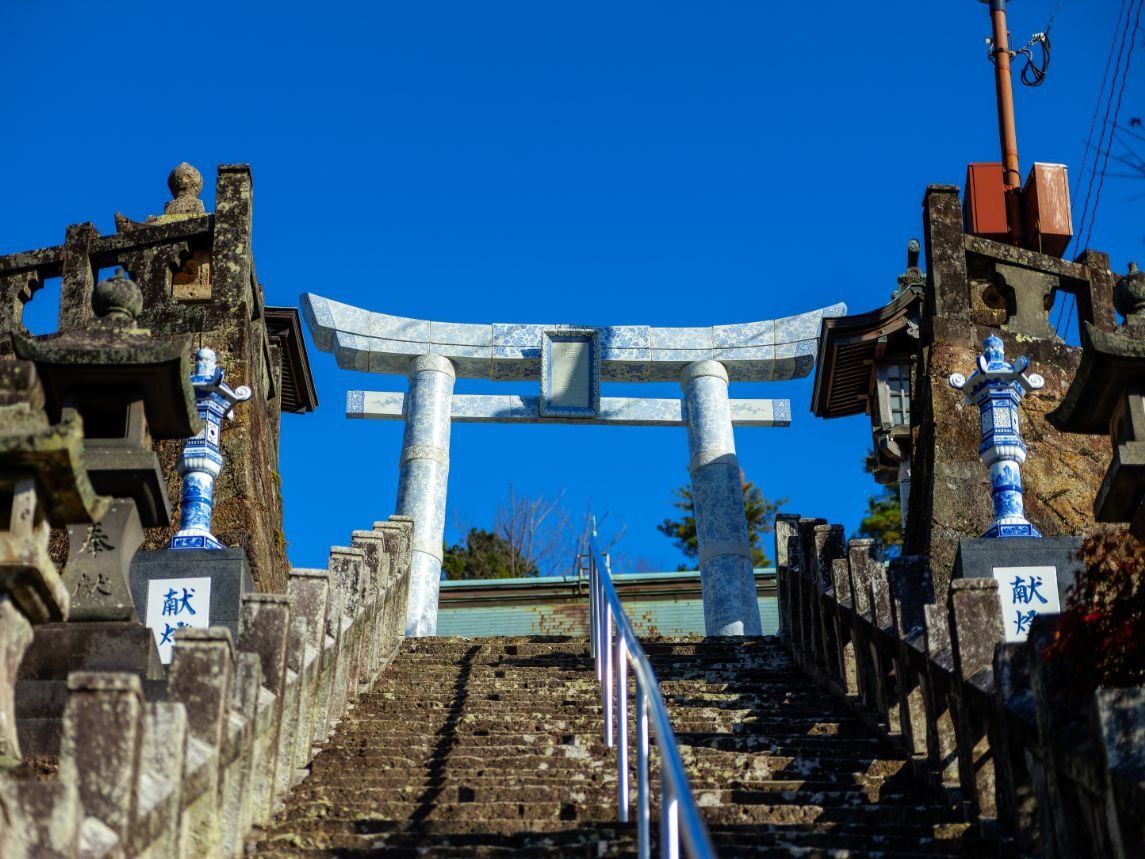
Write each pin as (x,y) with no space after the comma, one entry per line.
(1007,128)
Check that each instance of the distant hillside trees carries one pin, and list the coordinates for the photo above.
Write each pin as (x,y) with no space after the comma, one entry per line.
(531,536)
(485,555)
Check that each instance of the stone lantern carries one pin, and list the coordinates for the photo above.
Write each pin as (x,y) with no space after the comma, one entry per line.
(129,387)
(1108,394)
(42,484)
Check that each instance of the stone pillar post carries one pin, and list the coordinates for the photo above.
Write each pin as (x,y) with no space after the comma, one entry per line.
(101,744)
(15,636)
(422,483)
(726,577)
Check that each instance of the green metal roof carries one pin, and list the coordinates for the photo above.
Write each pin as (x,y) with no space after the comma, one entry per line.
(663,603)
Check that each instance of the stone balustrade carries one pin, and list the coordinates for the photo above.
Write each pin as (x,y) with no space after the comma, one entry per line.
(187,766)
(990,724)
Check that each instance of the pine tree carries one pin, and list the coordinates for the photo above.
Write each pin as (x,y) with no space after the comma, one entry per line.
(883,521)
(485,555)
(760,514)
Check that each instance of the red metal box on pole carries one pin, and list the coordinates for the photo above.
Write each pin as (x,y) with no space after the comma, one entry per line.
(984,212)
(1049,221)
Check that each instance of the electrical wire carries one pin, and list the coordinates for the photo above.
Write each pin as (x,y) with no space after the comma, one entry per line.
(1033,72)
(1122,29)
(1116,115)
(1087,213)
(1096,111)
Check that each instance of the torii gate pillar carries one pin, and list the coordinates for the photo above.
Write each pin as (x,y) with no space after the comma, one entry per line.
(422,481)
(726,575)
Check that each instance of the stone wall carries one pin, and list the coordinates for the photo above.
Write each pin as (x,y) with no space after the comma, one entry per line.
(186,766)
(196,272)
(988,724)
(1061,473)
(976,288)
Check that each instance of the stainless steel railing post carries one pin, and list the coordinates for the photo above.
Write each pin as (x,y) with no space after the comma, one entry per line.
(592,609)
(669,818)
(622,726)
(606,647)
(643,813)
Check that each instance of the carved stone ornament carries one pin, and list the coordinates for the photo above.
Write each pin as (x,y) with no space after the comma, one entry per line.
(186,183)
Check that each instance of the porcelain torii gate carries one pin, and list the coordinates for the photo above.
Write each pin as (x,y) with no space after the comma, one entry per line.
(571,362)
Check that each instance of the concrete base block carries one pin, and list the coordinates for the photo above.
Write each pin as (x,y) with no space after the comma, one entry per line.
(228,570)
(978,558)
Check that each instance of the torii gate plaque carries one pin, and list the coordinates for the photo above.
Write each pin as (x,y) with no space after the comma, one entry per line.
(571,362)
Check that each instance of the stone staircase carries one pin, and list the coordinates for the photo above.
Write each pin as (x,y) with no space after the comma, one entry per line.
(493,747)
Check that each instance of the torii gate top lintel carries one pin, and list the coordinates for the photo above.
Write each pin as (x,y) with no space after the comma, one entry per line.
(766,351)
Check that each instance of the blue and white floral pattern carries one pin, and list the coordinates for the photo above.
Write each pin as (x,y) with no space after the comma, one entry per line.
(997,387)
(202,458)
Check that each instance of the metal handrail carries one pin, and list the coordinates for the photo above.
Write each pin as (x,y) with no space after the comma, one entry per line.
(679,815)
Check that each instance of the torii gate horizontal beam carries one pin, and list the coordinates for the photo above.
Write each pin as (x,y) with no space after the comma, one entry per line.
(622,411)
(766,351)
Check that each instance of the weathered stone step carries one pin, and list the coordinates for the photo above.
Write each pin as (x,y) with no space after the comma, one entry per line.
(756,725)
(467,667)
(467,747)
(486,708)
(474,785)
(506,760)
(491,717)
(488,659)
(414,746)
(340,805)
(705,766)
(889,839)
(496,815)
(416,849)
(467,834)
(448,684)
(447,844)
(480,787)
(801,746)
(765,690)
(430,840)
(422,685)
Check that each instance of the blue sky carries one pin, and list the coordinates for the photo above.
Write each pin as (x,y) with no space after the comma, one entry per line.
(597,163)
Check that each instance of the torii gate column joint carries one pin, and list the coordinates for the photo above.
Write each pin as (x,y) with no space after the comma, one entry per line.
(726,575)
(422,480)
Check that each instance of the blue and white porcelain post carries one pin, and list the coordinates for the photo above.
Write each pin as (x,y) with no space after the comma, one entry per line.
(997,387)
(202,457)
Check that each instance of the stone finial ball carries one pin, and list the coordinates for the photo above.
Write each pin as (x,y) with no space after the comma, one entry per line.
(185,181)
(117,298)
(1129,294)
